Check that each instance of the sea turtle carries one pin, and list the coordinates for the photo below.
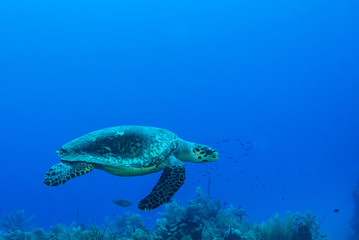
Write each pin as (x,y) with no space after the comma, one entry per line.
(131,151)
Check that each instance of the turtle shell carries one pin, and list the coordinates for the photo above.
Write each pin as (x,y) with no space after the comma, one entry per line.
(122,146)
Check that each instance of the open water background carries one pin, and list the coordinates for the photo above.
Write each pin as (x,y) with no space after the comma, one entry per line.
(282,75)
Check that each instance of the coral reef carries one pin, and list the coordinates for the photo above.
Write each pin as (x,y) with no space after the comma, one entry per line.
(203,218)
(294,226)
(15,220)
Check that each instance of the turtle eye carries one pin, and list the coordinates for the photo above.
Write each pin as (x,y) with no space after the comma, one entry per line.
(205,153)
(209,151)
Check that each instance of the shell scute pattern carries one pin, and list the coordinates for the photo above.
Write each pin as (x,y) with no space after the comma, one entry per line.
(131,146)
(122,146)
(163,144)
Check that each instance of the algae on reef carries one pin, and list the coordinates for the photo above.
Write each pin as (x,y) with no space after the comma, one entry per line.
(202,219)
(355,220)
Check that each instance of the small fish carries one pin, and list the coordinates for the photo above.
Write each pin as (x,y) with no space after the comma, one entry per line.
(122,202)
(336,210)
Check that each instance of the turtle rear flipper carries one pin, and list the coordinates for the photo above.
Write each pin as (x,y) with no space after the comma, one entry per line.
(62,172)
(171,180)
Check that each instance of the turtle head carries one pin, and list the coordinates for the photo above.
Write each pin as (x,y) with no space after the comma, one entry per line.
(203,153)
(197,153)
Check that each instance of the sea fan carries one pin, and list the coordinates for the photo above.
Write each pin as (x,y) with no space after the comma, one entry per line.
(15,220)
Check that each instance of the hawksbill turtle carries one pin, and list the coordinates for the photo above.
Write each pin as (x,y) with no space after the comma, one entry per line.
(131,151)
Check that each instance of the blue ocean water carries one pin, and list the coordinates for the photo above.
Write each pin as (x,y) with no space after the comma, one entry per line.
(280,76)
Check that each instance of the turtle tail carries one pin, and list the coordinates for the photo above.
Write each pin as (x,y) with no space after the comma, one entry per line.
(62,172)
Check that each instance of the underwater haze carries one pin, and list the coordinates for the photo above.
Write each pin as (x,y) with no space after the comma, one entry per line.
(272,85)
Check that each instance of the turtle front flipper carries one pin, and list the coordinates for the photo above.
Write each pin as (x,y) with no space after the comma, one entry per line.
(171,180)
(62,172)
